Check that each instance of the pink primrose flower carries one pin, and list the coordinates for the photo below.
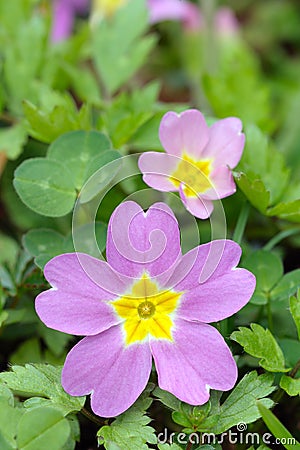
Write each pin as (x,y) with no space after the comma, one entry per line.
(147,301)
(64,12)
(182,10)
(198,161)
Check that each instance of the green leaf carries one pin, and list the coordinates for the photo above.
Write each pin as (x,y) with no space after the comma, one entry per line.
(260,343)
(8,250)
(41,380)
(43,244)
(268,269)
(169,447)
(291,350)
(50,186)
(247,99)
(76,150)
(241,404)
(295,311)
(63,117)
(29,350)
(7,395)
(264,176)
(128,112)
(56,341)
(42,427)
(167,398)
(45,186)
(276,428)
(290,385)
(287,210)
(12,140)
(119,49)
(254,189)
(130,431)
(287,286)
(43,241)
(9,419)
(182,419)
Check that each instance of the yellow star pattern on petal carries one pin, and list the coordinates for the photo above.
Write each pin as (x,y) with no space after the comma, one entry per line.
(194,175)
(147,311)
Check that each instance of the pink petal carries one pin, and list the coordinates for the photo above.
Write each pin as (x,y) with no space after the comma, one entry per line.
(184,133)
(156,169)
(223,184)
(138,241)
(198,206)
(181,10)
(196,361)
(115,375)
(226,142)
(226,22)
(63,18)
(77,304)
(205,263)
(218,298)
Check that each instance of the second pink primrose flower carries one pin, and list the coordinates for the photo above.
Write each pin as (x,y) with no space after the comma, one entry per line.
(147,301)
(198,159)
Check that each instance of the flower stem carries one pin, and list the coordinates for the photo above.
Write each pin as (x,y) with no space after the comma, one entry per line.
(279,237)
(92,417)
(294,371)
(241,223)
(189,446)
(270,317)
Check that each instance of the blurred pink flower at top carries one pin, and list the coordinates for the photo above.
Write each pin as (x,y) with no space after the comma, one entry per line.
(189,14)
(64,12)
(226,22)
(182,10)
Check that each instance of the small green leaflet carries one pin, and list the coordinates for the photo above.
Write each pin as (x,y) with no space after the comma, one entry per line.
(46,125)
(130,431)
(12,140)
(41,380)
(240,405)
(260,343)
(290,385)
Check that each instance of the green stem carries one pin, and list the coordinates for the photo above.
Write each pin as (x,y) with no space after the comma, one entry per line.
(208,8)
(91,417)
(279,237)
(270,317)
(241,223)
(280,393)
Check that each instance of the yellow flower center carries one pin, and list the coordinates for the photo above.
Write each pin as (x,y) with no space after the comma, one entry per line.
(193,174)
(147,311)
(106,8)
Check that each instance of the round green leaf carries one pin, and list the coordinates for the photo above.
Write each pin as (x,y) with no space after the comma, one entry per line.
(42,427)
(43,240)
(267,267)
(76,149)
(45,186)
